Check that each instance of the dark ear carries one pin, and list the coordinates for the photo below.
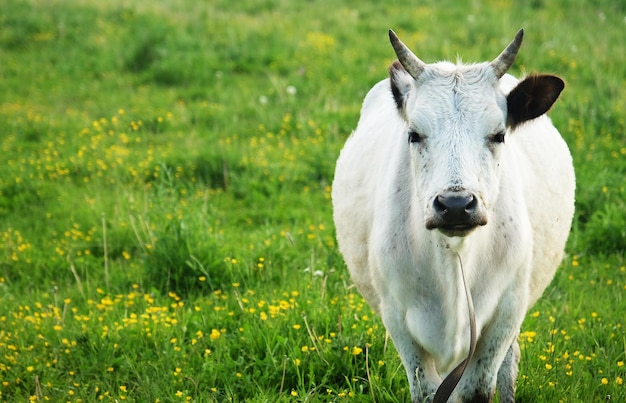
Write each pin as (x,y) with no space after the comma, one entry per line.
(532,98)
(401,84)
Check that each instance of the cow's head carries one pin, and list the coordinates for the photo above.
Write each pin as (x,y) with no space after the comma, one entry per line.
(458,120)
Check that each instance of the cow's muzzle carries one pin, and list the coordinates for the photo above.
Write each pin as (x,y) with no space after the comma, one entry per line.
(456,213)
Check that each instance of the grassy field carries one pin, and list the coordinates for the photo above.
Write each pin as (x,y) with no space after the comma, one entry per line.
(165,218)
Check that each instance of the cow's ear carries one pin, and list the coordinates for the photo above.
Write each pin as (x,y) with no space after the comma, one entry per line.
(401,84)
(532,97)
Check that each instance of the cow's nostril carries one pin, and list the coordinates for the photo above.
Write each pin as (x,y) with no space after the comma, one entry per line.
(471,206)
(439,205)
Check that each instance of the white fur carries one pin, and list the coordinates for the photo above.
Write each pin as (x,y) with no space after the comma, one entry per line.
(383,191)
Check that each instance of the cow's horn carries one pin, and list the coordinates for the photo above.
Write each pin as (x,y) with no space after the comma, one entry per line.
(413,65)
(505,60)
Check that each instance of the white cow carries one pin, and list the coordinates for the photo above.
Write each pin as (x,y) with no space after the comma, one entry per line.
(455,163)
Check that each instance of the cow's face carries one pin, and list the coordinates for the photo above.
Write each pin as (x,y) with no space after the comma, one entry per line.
(458,121)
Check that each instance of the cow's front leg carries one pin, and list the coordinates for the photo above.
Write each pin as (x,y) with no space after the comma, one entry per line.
(495,361)
(420,368)
(507,374)
(421,373)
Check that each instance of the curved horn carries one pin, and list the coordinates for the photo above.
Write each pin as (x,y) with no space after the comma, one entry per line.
(505,60)
(413,65)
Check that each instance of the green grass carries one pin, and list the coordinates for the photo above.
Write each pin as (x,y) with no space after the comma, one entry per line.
(165,219)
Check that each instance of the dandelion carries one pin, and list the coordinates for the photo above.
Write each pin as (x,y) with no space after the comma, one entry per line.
(528,336)
(604,381)
(356,350)
(215,334)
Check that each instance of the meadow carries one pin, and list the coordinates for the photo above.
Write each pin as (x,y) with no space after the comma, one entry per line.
(165,215)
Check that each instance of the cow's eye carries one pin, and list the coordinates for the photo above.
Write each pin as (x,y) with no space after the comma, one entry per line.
(414,137)
(497,137)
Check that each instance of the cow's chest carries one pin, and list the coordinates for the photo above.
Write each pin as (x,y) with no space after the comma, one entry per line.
(437,317)
(425,291)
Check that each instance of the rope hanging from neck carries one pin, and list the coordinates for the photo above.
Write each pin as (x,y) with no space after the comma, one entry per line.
(449,383)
